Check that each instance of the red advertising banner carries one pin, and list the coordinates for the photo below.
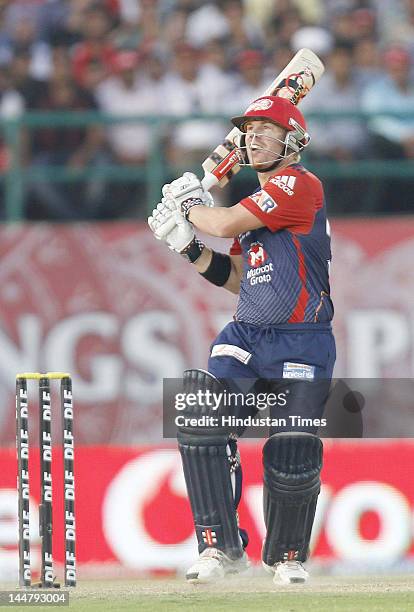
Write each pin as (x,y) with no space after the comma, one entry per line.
(119,311)
(372,282)
(133,514)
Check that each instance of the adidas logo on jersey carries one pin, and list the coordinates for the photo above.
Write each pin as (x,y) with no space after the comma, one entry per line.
(285,183)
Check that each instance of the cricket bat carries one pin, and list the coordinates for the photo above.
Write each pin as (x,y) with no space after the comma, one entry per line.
(293,83)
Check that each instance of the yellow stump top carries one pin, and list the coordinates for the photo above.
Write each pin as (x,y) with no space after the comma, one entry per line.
(39,375)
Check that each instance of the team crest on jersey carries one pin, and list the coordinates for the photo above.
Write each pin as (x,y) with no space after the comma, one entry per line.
(256,255)
(260,271)
(259,105)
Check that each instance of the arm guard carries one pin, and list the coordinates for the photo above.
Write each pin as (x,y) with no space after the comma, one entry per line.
(218,272)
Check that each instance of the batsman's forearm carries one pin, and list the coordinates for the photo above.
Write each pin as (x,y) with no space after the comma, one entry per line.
(204,260)
(213,221)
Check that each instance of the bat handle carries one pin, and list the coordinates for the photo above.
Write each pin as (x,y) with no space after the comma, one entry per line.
(209,181)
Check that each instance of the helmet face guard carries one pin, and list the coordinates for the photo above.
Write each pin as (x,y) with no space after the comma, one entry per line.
(294,142)
(281,112)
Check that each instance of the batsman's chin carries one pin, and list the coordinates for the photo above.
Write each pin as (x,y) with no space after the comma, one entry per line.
(259,160)
(262,166)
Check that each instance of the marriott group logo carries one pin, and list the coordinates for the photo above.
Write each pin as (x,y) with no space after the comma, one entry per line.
(260,271)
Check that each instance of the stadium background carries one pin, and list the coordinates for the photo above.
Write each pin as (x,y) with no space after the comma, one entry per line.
(100,103)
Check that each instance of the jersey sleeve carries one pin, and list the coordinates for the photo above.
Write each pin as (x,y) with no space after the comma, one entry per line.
(287,202)
(235,248)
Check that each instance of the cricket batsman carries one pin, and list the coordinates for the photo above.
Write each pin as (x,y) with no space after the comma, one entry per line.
(281,332)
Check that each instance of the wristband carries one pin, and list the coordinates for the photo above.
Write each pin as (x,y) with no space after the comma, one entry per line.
(193,250)
(218,272)
(187,205)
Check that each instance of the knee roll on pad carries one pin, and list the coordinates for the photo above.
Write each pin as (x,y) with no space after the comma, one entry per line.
(195,381)
(210,464)
(292,464)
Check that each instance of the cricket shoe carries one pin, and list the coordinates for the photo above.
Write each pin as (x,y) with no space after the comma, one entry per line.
(213,565)
(288,572)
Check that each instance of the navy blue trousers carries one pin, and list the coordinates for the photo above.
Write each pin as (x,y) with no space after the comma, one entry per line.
(278,357)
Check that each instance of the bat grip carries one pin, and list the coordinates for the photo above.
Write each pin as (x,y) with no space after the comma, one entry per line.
(209,181)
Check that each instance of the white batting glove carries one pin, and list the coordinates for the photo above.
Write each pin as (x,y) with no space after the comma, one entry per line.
(162,220)
(169,225)
(187,192)
(181,235)
(180,238)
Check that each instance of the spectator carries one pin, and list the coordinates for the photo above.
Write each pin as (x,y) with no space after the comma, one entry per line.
(5,41)
(11,107)
(29,88)
(129,11)
(127,34)
(153,73)
(199,23)
(149,23)
(95,47)
(129,92)
(341,139)
(73,148)
(405,33)
(336,138)
(173,31)
(279,59)
(22,11)
(11,100)
(52,16)
(367,62)
(194,56)
(267,12)
(393,93)
(393,137)
(68,31)
(283,27)
(206,24)
(252,80)
(123,94)
(311,11)
(215,80)
(184,95)
(24,39)
(395,21)
(342,24)
(365,23)
(95,73)
(313,37)
(139,24)
(244,32)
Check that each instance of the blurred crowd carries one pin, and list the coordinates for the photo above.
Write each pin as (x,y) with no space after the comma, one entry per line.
(185,57)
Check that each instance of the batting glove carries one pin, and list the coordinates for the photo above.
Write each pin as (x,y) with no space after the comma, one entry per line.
(187,192)
(162,219)
(169,225)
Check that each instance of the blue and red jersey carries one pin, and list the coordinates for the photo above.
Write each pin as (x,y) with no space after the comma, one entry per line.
(286,262)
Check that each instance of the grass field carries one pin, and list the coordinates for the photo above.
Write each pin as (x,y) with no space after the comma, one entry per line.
(250,593)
